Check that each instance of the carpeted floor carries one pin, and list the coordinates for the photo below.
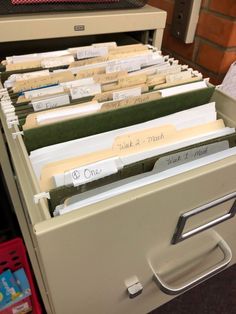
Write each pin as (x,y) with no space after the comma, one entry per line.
(215,296)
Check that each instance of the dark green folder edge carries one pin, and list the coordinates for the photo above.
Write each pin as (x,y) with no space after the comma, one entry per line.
(59,195)
(25,108)
(22,110)
(102,122)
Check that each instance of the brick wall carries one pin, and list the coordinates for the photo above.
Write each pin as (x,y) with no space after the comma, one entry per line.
(214,47)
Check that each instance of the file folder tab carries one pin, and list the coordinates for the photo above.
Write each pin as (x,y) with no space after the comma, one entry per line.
(90,52)
(127,93)
(50,103)
(88,173)
(177,159)
(85,91)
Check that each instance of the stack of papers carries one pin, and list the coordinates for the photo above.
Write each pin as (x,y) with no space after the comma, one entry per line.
(88,80)
(124,186)
(121,116)
(92,158)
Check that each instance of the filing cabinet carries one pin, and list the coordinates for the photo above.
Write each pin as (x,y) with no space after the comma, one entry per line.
(89,259)
(133,252)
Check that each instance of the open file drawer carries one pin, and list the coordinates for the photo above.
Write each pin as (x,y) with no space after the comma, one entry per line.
(97,259)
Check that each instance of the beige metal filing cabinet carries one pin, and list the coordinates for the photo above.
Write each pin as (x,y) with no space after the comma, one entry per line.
(96,259)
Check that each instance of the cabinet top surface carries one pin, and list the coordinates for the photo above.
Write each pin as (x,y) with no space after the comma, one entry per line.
(57,25)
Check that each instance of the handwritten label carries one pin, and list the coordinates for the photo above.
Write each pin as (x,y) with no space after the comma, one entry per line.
(43,92)
(54,78)
(90,52)
(174,160)
(141,140)
(128,66)
(92,172)
(108,96)
(85,91)
(130,101)
(178,76)
(51,102)
(127,93)
(56,62)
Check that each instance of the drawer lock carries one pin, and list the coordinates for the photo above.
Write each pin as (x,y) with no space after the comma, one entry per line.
(135,290)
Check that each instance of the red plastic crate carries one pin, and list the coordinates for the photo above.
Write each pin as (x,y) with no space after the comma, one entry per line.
(13,256)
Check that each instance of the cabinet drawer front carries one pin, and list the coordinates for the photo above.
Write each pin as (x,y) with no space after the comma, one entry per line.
(105,245)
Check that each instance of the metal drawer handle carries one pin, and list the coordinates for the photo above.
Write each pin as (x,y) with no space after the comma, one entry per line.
(179,235)
(216,269)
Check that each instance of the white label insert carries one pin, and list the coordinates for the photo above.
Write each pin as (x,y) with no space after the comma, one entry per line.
(51,102)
